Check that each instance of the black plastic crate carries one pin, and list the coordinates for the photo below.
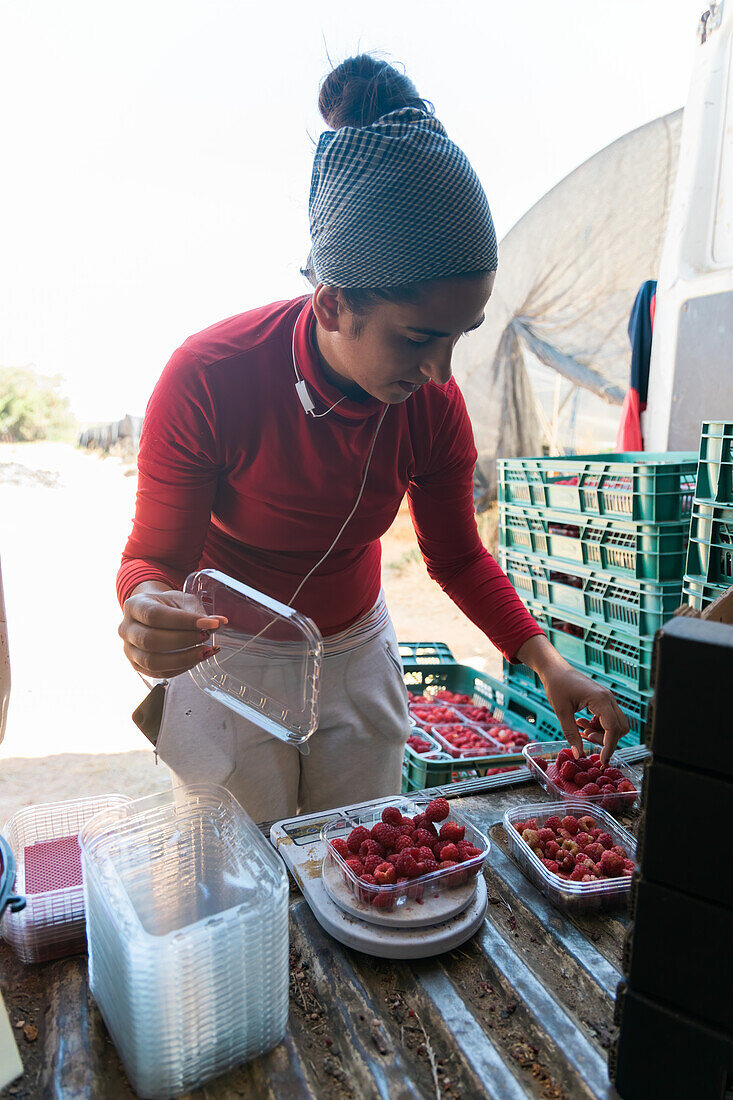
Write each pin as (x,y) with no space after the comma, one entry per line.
(684,829)
(673,947)
(691,719)
(664,1055)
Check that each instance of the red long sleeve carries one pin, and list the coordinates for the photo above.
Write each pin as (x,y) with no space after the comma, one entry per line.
(234,476)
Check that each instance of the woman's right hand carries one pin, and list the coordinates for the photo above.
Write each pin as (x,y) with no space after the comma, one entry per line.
(162,635)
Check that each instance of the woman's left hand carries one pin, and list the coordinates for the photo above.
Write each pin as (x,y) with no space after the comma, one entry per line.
(570,691)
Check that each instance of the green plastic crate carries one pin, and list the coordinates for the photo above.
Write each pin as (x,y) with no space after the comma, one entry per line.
(593,645)
(710,553)
(699,593)
(653,488)
(643,551)
(715,463)
(506,702)
(634,704)
(638,607)
(425,653)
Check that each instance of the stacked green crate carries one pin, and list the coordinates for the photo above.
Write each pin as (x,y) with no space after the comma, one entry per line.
(595,545)
(709,569)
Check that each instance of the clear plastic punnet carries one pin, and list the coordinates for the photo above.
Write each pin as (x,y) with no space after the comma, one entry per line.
(603,893)
(427,888)
(44,841)
(269,661)
(482,743)
(187,925)
(541,756)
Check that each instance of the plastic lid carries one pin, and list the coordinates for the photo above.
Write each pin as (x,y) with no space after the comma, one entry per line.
(269,662)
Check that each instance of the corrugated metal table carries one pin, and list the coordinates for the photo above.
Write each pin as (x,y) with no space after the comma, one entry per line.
(524,1009)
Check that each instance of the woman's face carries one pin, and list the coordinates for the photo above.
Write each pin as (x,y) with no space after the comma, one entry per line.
(397,347)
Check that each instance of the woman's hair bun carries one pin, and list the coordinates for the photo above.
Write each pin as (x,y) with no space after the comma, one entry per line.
(362,89)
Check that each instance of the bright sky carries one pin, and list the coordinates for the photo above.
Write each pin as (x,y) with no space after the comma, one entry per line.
(156,153)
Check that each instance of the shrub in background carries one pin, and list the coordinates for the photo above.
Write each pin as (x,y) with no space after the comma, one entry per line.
(32,407)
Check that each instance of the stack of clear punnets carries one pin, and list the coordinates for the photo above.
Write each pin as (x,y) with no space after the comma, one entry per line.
(187,926)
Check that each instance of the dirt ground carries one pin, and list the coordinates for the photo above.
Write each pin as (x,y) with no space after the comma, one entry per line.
(66,515)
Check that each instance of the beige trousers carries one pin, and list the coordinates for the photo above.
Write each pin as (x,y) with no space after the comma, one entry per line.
(355,754)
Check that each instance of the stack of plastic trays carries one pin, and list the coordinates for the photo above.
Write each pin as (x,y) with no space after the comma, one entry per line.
(44,840)
(187,925)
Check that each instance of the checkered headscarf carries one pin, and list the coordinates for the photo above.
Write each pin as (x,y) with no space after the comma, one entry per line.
(395,203)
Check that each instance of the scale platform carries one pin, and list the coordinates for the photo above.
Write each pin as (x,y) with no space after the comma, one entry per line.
(413,932)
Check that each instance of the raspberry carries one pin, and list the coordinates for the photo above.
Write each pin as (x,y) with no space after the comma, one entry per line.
(611,865)
(590,790)
(421,837)
(371,863)
(339,845)
(564,754)
(385,834)
(613,773)
(449,852)
(391,816)
(620,851)
(595,758)
(594,774)
(551,865)
(437,810)
(426,853)
(406,865)
(552,848)
(586,823)
(531,837)
(447,863)
(583,763)
(356,838)
(605,840)
(567,862)
(451,830)
(419,820)
(406,828)
(578,874)
(531,823)
(553,823)
(384,900)
(541,764)
(571,824)
(569,770)
(429,827)
(520,826)
(570,846)
(385,874)
(582,859)
(402,842)
(369,879)
(629,866)
(414,852)
(582,839)
(365,888)
(594,851)
(356,866)
(370,848)
(430,865)
(625,785)
(545,835)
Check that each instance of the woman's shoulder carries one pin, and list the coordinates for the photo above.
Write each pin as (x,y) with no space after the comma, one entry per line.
(244,333)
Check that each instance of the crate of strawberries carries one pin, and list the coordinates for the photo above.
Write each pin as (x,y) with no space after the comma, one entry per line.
(555,767)
(411,849)
(574,852)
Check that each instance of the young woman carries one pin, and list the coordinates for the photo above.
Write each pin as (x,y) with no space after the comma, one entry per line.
(300,426)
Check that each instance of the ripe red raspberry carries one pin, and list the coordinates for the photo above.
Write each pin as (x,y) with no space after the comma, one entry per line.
(595,758)
(356,866)
(403,842)
(594,774)
(545,834)
(371,863)
(620,851)
(567,862)
(582,839)
(430,866)
(356,838)
(569,770)
(406,866)
(605,840)
(384,899)
(339,845)
(419,820)
(578,874)
(449,852)
(437,810)
(414,852)
(369,879)
(564,754)
(520,826)
(571,824)
(552,848)
(531,823)
(365,889)
(541,764)
(611,865)
(391,816)
(422,837)
(629,866)
(591,789)
(613,773)
(385,874)
(370,848)
(451,830)
(385,834)
(426,853)
(625,786)
(594,851)
(583,763)
(407,828)
(553,823)
(551,865)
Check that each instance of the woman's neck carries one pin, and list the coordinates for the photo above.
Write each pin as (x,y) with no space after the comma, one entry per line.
(334,378)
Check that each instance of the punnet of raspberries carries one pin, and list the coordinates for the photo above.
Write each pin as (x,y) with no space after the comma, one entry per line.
(576,848)
(399,851)
(586,777)
(452,697)
(428,714)
(419,744)
(464,740)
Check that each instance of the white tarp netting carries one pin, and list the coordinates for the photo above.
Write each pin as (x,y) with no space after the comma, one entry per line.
(569,272)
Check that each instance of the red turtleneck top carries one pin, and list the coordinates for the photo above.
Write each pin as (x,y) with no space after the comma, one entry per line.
(234,476)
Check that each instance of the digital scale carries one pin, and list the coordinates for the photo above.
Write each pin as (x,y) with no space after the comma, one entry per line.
(415,930)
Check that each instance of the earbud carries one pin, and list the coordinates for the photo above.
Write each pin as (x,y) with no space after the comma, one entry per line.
(301,388)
